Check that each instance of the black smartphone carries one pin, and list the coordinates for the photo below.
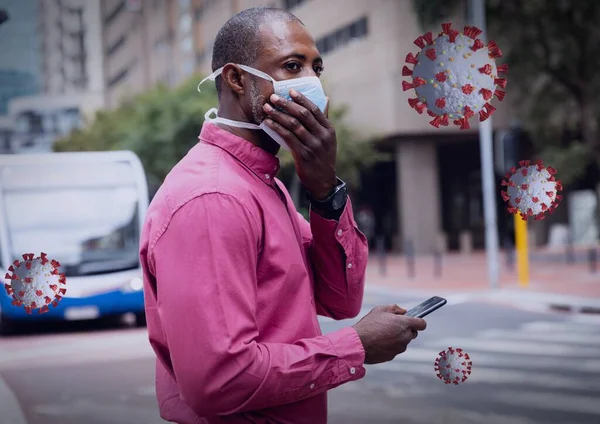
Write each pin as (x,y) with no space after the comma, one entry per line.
(427,307)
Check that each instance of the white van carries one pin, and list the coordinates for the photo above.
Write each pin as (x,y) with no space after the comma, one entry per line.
(85,210)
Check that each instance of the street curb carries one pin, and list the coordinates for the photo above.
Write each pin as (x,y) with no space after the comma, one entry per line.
(10,406)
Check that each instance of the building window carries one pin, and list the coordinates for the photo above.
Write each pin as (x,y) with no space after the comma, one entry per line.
(187,44)
(112,49)
(185,23)
(116,12)
(118,78)
(290,4)
(343,36)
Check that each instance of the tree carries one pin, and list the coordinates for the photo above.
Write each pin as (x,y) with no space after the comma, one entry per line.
(159,125)
(553,51)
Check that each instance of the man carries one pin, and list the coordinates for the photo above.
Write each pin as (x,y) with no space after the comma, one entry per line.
(234,277)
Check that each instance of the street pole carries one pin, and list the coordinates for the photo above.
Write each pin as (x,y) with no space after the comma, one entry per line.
(477,15)
(521,246)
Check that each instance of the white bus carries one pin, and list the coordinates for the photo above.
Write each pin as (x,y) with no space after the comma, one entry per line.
(85,210)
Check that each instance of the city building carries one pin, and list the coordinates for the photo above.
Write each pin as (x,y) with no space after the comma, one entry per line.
(71,46)
(19,67)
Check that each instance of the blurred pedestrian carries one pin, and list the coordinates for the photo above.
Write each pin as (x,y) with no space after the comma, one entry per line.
(234,277)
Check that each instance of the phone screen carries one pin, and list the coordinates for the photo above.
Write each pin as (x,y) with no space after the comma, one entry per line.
(427,307)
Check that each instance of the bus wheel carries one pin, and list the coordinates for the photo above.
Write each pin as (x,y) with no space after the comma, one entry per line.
(140,319)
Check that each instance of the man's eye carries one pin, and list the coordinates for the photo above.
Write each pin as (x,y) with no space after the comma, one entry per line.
(318,69)
(293,66)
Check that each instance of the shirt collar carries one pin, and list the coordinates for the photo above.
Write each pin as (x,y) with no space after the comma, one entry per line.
(260,162)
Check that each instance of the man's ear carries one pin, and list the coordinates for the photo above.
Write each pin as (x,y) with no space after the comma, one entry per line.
(232,76)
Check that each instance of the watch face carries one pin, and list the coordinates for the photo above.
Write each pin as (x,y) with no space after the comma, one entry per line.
(338,199)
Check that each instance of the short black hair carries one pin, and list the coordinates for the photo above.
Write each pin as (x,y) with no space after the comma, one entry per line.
(238,40)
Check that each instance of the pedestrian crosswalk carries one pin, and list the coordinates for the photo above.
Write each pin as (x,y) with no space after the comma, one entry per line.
(551,366)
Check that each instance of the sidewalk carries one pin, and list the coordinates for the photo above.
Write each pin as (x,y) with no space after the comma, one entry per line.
(559,283)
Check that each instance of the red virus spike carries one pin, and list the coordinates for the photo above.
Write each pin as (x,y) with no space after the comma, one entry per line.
(550,194)
(452,34)
(499,94)
(420,42)
(544,207)
(39,293)
(535,199)
(500,82)
(34,305)
(468,112)
(418,81)
(47,300)
(551,170)
(502,69)
(559,186)
(446,27)
(440,103)
(18,303)
(486,94)
(9,289)
(413,102)
(512,210)
(440,76)
(494,50)
(486,112)
(430,113)
(477,45)
(517,200)
(539,164)
(505,196)
(21,293)
(472,32)
(487,69)
(428,37)
(463,123)
(524,187)
(540,216)
(407,86)
(410,58)
(524,163)
(28,256)
(28,280)
(504,183)
(44,309)
(430,53)
(436,122)
(17,263)
(28,310)
(406,71)
(467,88)
(62,291)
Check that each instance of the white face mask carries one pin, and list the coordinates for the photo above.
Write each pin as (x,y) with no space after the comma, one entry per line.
(310,87)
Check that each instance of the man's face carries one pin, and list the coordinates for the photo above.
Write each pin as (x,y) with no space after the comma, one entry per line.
(288,52)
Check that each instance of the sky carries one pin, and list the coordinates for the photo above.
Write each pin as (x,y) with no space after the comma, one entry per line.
(19,45)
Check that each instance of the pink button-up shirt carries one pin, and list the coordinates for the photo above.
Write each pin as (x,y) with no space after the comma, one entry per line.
(234,278)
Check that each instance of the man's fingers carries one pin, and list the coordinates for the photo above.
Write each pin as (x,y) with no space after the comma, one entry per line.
(312,108)
(418,324)
(394,309)
(300,113)
(286,134)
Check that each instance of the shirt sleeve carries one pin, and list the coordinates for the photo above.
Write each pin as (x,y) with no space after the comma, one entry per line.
(339,253)
(205,267)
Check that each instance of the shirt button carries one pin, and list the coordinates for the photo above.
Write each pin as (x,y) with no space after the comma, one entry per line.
(350,265)
(339,233)
(352,370)
(267,176)
(312,386)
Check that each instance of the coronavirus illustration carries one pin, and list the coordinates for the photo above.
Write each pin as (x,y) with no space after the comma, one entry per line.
(531,190)
(455,76)
(35,283)
(453,366)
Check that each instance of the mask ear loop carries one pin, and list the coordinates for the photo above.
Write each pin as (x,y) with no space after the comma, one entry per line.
(211,77)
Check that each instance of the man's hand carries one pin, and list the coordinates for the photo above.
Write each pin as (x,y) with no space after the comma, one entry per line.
(385,332)
(311,138)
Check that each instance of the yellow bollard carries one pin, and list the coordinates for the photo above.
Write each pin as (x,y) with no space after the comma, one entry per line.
(522,252)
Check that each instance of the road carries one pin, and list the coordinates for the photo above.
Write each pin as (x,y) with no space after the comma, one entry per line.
(529,367)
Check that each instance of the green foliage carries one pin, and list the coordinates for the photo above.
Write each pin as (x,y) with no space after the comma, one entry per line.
(159,125)
(355,151)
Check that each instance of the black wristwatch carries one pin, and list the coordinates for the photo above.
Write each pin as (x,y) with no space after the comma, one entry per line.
(333,205)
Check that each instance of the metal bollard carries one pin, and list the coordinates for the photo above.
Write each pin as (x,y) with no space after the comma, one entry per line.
(380,247)
(437,263)
(410,258)
(593,259)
